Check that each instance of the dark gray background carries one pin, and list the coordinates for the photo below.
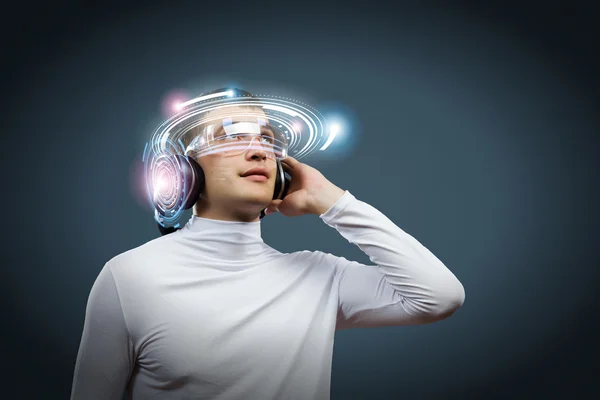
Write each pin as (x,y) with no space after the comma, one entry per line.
(474,129)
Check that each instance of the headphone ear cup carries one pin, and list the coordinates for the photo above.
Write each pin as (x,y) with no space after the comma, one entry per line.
(282,183)
(278,181)
(286,186)
(193,180)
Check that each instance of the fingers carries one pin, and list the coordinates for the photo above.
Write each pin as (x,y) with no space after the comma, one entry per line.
(273,207)
(287,168)
(290,161)
(288,165)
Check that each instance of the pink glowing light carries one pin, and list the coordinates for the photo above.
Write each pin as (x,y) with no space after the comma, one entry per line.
(172,102)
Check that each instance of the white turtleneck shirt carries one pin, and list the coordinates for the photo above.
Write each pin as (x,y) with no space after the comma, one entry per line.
(213,312)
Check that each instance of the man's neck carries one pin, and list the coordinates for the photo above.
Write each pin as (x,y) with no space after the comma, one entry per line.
(226,216)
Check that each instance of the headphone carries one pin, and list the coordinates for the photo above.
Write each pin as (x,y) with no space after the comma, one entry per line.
(192,177)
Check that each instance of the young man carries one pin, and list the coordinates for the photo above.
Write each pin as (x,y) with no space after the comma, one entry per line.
(213,312)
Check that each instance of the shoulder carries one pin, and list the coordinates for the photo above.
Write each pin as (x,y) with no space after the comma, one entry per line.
(139,261)
(317,266)
(317,259)
(142,251)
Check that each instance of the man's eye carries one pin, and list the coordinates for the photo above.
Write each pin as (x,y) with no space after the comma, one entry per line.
(230,136)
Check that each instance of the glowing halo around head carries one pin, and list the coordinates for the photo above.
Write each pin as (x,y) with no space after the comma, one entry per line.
(304,127)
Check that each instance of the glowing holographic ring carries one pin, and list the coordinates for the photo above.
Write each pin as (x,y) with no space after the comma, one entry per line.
(227,122)
(303,126)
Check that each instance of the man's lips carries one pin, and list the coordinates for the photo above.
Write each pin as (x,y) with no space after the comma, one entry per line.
(256,172)
(258,178)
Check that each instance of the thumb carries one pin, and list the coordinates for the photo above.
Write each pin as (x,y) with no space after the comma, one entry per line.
(273,207)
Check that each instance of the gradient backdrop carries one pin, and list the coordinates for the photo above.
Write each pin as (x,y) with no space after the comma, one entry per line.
(474,129)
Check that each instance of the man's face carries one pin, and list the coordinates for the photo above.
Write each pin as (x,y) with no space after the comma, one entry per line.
(225,186)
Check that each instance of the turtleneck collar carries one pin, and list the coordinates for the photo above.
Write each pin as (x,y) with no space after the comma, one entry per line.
(228,241)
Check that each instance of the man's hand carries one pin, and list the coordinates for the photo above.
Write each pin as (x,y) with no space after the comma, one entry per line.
(309,192)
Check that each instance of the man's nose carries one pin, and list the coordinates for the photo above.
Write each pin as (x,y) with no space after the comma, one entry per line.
(256,149)
(253,154)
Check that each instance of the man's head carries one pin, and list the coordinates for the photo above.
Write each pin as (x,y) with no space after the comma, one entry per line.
(240,134)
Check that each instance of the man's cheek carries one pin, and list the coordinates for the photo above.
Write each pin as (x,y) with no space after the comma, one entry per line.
(222,173)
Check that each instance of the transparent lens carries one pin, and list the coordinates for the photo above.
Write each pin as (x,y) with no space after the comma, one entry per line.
(234,140)
(239,143)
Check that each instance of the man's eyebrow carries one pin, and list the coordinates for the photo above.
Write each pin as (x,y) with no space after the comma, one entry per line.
(267,129)
(218,129)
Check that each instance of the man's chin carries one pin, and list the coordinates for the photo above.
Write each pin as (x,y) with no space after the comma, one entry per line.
(255,199)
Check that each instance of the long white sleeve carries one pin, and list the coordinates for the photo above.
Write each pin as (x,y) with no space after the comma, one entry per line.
(106,358)
(408,285)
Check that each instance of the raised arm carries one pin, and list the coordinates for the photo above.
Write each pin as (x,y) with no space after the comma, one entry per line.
(407,285)
(106,357)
